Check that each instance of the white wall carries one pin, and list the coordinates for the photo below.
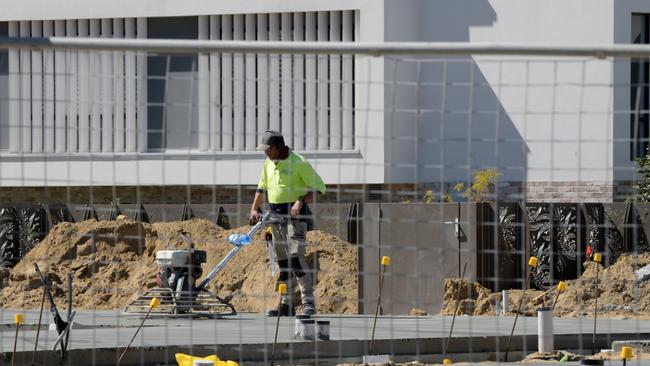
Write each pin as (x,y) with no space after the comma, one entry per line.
(364,165)
(533,121)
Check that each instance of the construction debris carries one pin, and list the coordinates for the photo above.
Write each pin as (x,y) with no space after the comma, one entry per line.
(113,261)
(621,294)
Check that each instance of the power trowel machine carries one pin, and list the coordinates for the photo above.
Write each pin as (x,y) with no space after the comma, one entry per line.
(180,269)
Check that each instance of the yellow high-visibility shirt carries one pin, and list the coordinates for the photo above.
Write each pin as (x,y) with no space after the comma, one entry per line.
(289,179)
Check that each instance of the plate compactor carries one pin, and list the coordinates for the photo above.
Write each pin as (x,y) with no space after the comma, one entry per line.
(181,268)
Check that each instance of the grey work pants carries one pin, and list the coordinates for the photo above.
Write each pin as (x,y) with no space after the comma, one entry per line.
(290,244)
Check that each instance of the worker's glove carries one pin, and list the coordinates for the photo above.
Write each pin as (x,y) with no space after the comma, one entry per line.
(254,217)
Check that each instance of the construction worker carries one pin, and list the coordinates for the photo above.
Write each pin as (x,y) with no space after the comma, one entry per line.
(291,184)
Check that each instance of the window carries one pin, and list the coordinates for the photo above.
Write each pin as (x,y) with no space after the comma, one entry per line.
(4,91)
(172,87)
(639,71)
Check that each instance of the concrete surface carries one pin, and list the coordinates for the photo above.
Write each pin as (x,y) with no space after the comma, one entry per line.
(247,337)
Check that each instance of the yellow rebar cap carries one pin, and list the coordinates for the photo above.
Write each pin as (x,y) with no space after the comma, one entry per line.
(446,361)
(598,257)
(282,288)
(561,286)
(532,261)
(18,318)
(154,303)
(385,260)
(626,353)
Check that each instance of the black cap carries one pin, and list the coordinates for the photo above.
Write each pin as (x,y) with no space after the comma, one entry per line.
(270,138)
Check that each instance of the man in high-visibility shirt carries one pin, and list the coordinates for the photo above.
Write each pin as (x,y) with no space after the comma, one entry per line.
(290,183)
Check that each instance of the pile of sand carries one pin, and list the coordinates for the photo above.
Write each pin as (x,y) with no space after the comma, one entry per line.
(113,261)
(620,294)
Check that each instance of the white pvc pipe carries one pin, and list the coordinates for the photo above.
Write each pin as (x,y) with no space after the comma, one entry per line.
(545,330)
(504,302)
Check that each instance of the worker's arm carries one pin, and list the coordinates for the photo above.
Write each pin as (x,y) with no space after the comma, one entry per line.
(257,202)
(308,198)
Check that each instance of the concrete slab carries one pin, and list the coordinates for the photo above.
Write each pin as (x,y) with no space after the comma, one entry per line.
(248,337)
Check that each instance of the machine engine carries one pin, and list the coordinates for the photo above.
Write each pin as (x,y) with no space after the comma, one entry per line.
(179,270)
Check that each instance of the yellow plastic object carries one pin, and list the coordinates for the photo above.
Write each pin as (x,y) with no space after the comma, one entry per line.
(561,286)
(446,361)
(598,257)
(385,260)
(282,288)
(532,261)
(18,318)
(154,303)
(626,353)
(188,360)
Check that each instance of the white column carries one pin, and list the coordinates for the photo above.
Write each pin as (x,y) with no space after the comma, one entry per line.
(215,86)
(310,85)
(48,86)
(238,85)
(262,77)
(130,90)
(60,87)
(251,132)
(72,100)
(142,113)
(335,84)
(347,87)
(107,89)
(95,73)
(25,91)
(323,120)
(298,85)
(84,90)
(119,89)
(226,86)
(286,76)
(37,92)
(14,91)
(274,74)
(203,99)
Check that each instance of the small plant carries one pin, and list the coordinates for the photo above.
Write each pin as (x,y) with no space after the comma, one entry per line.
(482,186)
(642,185)
(428,196)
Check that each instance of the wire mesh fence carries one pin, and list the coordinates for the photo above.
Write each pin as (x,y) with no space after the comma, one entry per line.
(129,170)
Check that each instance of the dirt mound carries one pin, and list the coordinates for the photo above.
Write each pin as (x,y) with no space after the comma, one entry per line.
(619,293)
(113,261)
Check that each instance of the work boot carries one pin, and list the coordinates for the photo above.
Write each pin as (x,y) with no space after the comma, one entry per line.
(308,308)
(282,310)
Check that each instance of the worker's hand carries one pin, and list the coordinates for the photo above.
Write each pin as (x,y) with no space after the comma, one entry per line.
(295,209)
(254,217)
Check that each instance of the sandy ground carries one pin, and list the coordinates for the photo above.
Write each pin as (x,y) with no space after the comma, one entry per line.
(620,295)
(113,261)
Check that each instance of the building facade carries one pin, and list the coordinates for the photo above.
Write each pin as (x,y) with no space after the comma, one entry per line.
(554,128)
